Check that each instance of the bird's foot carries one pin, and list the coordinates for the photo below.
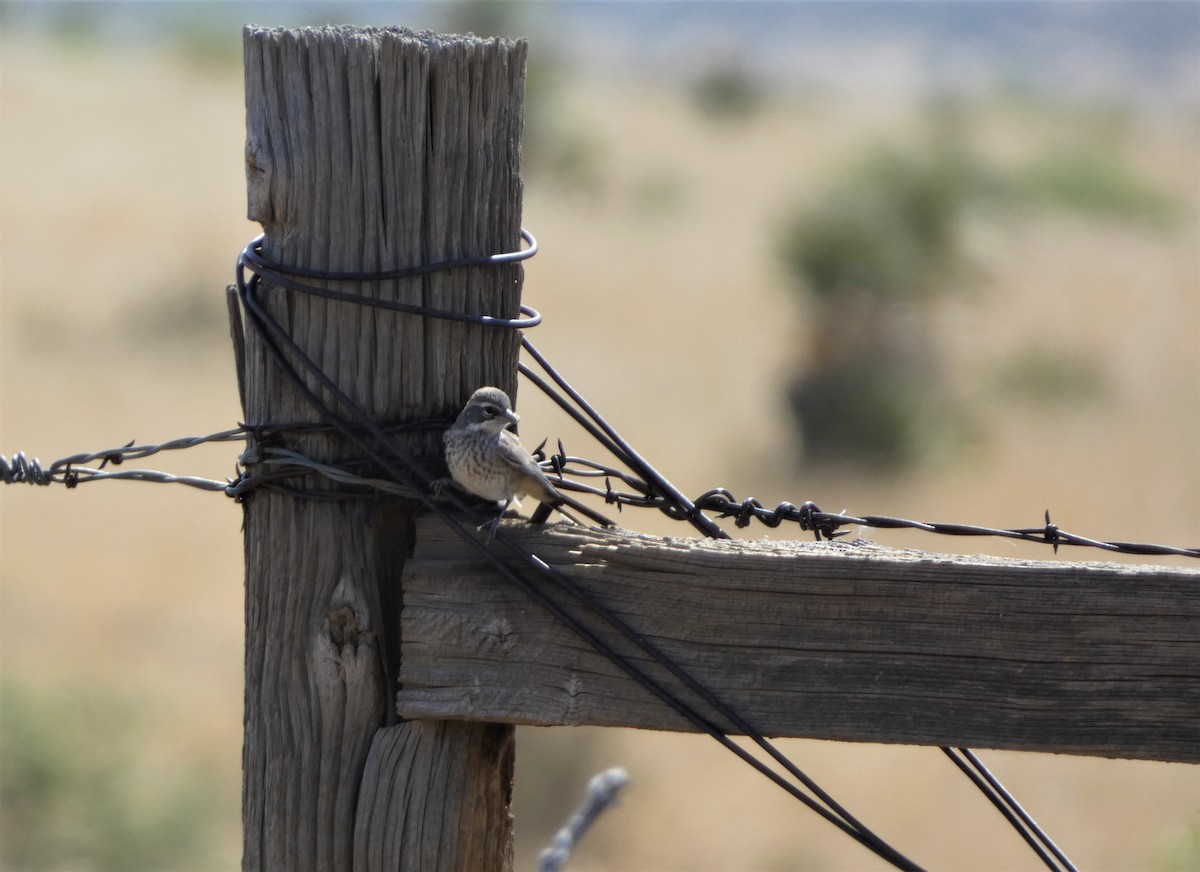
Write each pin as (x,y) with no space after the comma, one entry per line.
(494,524)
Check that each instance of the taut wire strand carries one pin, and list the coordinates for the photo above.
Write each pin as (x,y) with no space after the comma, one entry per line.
(384,469)
(69,471)
(398,464)
(280,275)
(625,451)
(1037,839)
(983,779)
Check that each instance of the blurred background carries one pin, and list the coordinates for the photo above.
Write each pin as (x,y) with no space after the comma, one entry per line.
(933,260)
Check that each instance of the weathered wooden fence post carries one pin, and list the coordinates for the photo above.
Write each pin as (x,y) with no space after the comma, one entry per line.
(366,150)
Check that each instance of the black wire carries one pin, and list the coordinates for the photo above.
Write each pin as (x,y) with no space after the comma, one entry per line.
(838,816)
(632,459)
(983,779)
(810,517)
(659,492)
(640,465)
(278,274)
(277,340)
(825,524)
(1020,819)
(1003,808)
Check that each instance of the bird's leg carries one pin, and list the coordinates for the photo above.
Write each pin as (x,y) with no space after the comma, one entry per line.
(494,524)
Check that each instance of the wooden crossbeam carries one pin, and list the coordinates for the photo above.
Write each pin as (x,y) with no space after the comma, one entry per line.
(829,640)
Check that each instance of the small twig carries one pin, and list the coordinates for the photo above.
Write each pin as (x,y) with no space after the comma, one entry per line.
(602,792)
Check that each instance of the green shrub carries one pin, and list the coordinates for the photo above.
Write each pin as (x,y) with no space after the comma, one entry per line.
(1094,180)
(76,792)
(1180,852)
(1046,375)
(727,92)
(888,229)
(866,412)
(872,251)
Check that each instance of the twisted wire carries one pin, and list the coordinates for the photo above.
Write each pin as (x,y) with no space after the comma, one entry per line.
(670,501)
(281,276)
(267,465)
(68,471)
(293,361)
(566,469)
(810,518)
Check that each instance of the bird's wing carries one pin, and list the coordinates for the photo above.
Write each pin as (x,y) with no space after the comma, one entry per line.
(515,455)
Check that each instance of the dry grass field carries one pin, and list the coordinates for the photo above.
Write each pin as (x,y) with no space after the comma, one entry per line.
(121,212)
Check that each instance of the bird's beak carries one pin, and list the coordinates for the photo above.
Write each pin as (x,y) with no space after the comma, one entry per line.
(511,416)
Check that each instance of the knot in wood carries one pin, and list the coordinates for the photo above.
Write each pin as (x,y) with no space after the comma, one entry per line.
(496,634)
(345,628)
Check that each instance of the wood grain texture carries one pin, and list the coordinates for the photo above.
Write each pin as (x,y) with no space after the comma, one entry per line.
(473,764)
(825,640)
(368,149)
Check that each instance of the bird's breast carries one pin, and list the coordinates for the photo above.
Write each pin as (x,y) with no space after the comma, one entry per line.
(475,462)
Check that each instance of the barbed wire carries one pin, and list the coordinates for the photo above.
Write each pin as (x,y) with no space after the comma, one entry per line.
(336,407)
(809,517)
(261,465)
(650,483)
(268,466)
(384,468)
(71,472)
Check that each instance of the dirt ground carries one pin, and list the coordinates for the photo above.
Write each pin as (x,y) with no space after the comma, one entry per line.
(122,210)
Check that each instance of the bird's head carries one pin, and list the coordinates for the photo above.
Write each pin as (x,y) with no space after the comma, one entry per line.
(488,409)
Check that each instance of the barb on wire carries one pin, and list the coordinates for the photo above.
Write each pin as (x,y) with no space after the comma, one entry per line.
(344,414)
(587,417)
(572,473)
(385,468)
(261,465)
(810,518)
(71,471)
(668,500)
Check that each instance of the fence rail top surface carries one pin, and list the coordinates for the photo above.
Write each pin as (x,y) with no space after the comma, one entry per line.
(837,640)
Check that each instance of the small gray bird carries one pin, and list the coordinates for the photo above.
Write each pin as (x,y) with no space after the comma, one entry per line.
(487,459)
